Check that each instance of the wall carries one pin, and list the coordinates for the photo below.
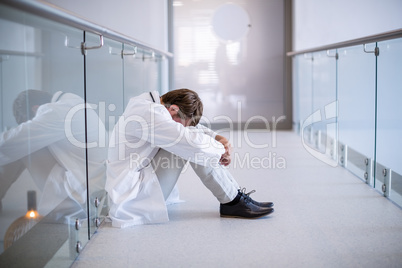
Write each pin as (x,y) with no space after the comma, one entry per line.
(321,22)
(145,21)
(232,54)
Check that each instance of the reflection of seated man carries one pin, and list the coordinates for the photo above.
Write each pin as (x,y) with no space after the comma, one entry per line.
(50,143)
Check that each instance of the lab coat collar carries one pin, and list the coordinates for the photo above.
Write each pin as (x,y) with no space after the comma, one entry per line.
(155,96)
(57,96)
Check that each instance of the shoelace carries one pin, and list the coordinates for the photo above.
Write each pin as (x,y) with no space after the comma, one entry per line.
(243,190)
(246,195)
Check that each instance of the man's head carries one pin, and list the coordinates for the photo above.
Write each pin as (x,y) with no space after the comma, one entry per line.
(184,106)
(27,103)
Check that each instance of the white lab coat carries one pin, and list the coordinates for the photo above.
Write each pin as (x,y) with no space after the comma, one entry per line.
(145,126)
(52,147)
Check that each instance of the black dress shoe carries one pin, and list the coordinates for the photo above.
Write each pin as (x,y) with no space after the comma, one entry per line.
(260,204)
(244,209)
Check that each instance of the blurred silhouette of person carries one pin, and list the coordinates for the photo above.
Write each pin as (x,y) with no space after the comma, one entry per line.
(49,142)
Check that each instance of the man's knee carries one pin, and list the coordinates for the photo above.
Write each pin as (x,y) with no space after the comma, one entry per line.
(202,171)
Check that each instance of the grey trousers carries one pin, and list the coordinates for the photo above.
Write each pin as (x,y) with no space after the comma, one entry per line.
(218,180)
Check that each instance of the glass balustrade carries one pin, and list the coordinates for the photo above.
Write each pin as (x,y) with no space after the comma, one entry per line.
(364,82)
(324,125)
(356,116)
(315,88)
(59,103)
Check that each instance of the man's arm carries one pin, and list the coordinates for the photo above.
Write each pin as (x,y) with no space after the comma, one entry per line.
(226,158)
(44,129)
(158,128)
(8,175)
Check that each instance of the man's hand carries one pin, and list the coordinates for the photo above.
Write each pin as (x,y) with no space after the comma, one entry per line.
(226,157)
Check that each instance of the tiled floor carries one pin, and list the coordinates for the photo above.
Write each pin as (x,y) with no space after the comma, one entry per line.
(324,217)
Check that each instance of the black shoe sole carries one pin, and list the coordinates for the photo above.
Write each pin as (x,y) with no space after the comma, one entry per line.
(247,218)
(271,206)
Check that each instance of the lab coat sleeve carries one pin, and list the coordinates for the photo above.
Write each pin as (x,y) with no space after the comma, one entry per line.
(44,129)
(207,131)
(158,128)
(9,174)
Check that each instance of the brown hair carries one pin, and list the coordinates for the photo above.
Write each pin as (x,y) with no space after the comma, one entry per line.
(188,101)
(25,101)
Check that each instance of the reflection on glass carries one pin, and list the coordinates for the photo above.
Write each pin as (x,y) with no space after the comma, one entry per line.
(21,60)
(23,224)
(49,142)
(54,135)
(43,135)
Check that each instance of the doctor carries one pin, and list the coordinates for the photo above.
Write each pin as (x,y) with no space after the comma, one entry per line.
(50,143)
(150,145)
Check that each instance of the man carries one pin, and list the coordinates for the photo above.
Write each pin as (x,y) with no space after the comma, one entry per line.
(50,143)
(155,130)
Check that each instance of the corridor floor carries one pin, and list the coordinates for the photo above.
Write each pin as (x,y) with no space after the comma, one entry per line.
(324,217)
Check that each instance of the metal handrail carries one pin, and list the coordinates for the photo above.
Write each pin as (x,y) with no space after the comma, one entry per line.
(358,41)
(63,16)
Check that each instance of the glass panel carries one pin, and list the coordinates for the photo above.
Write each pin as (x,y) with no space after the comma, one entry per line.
(142,72)
(389,110)
(220,54)
(295,94)
(324,96)
(40,165)
(104,91)
(356,116)
(304,85)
